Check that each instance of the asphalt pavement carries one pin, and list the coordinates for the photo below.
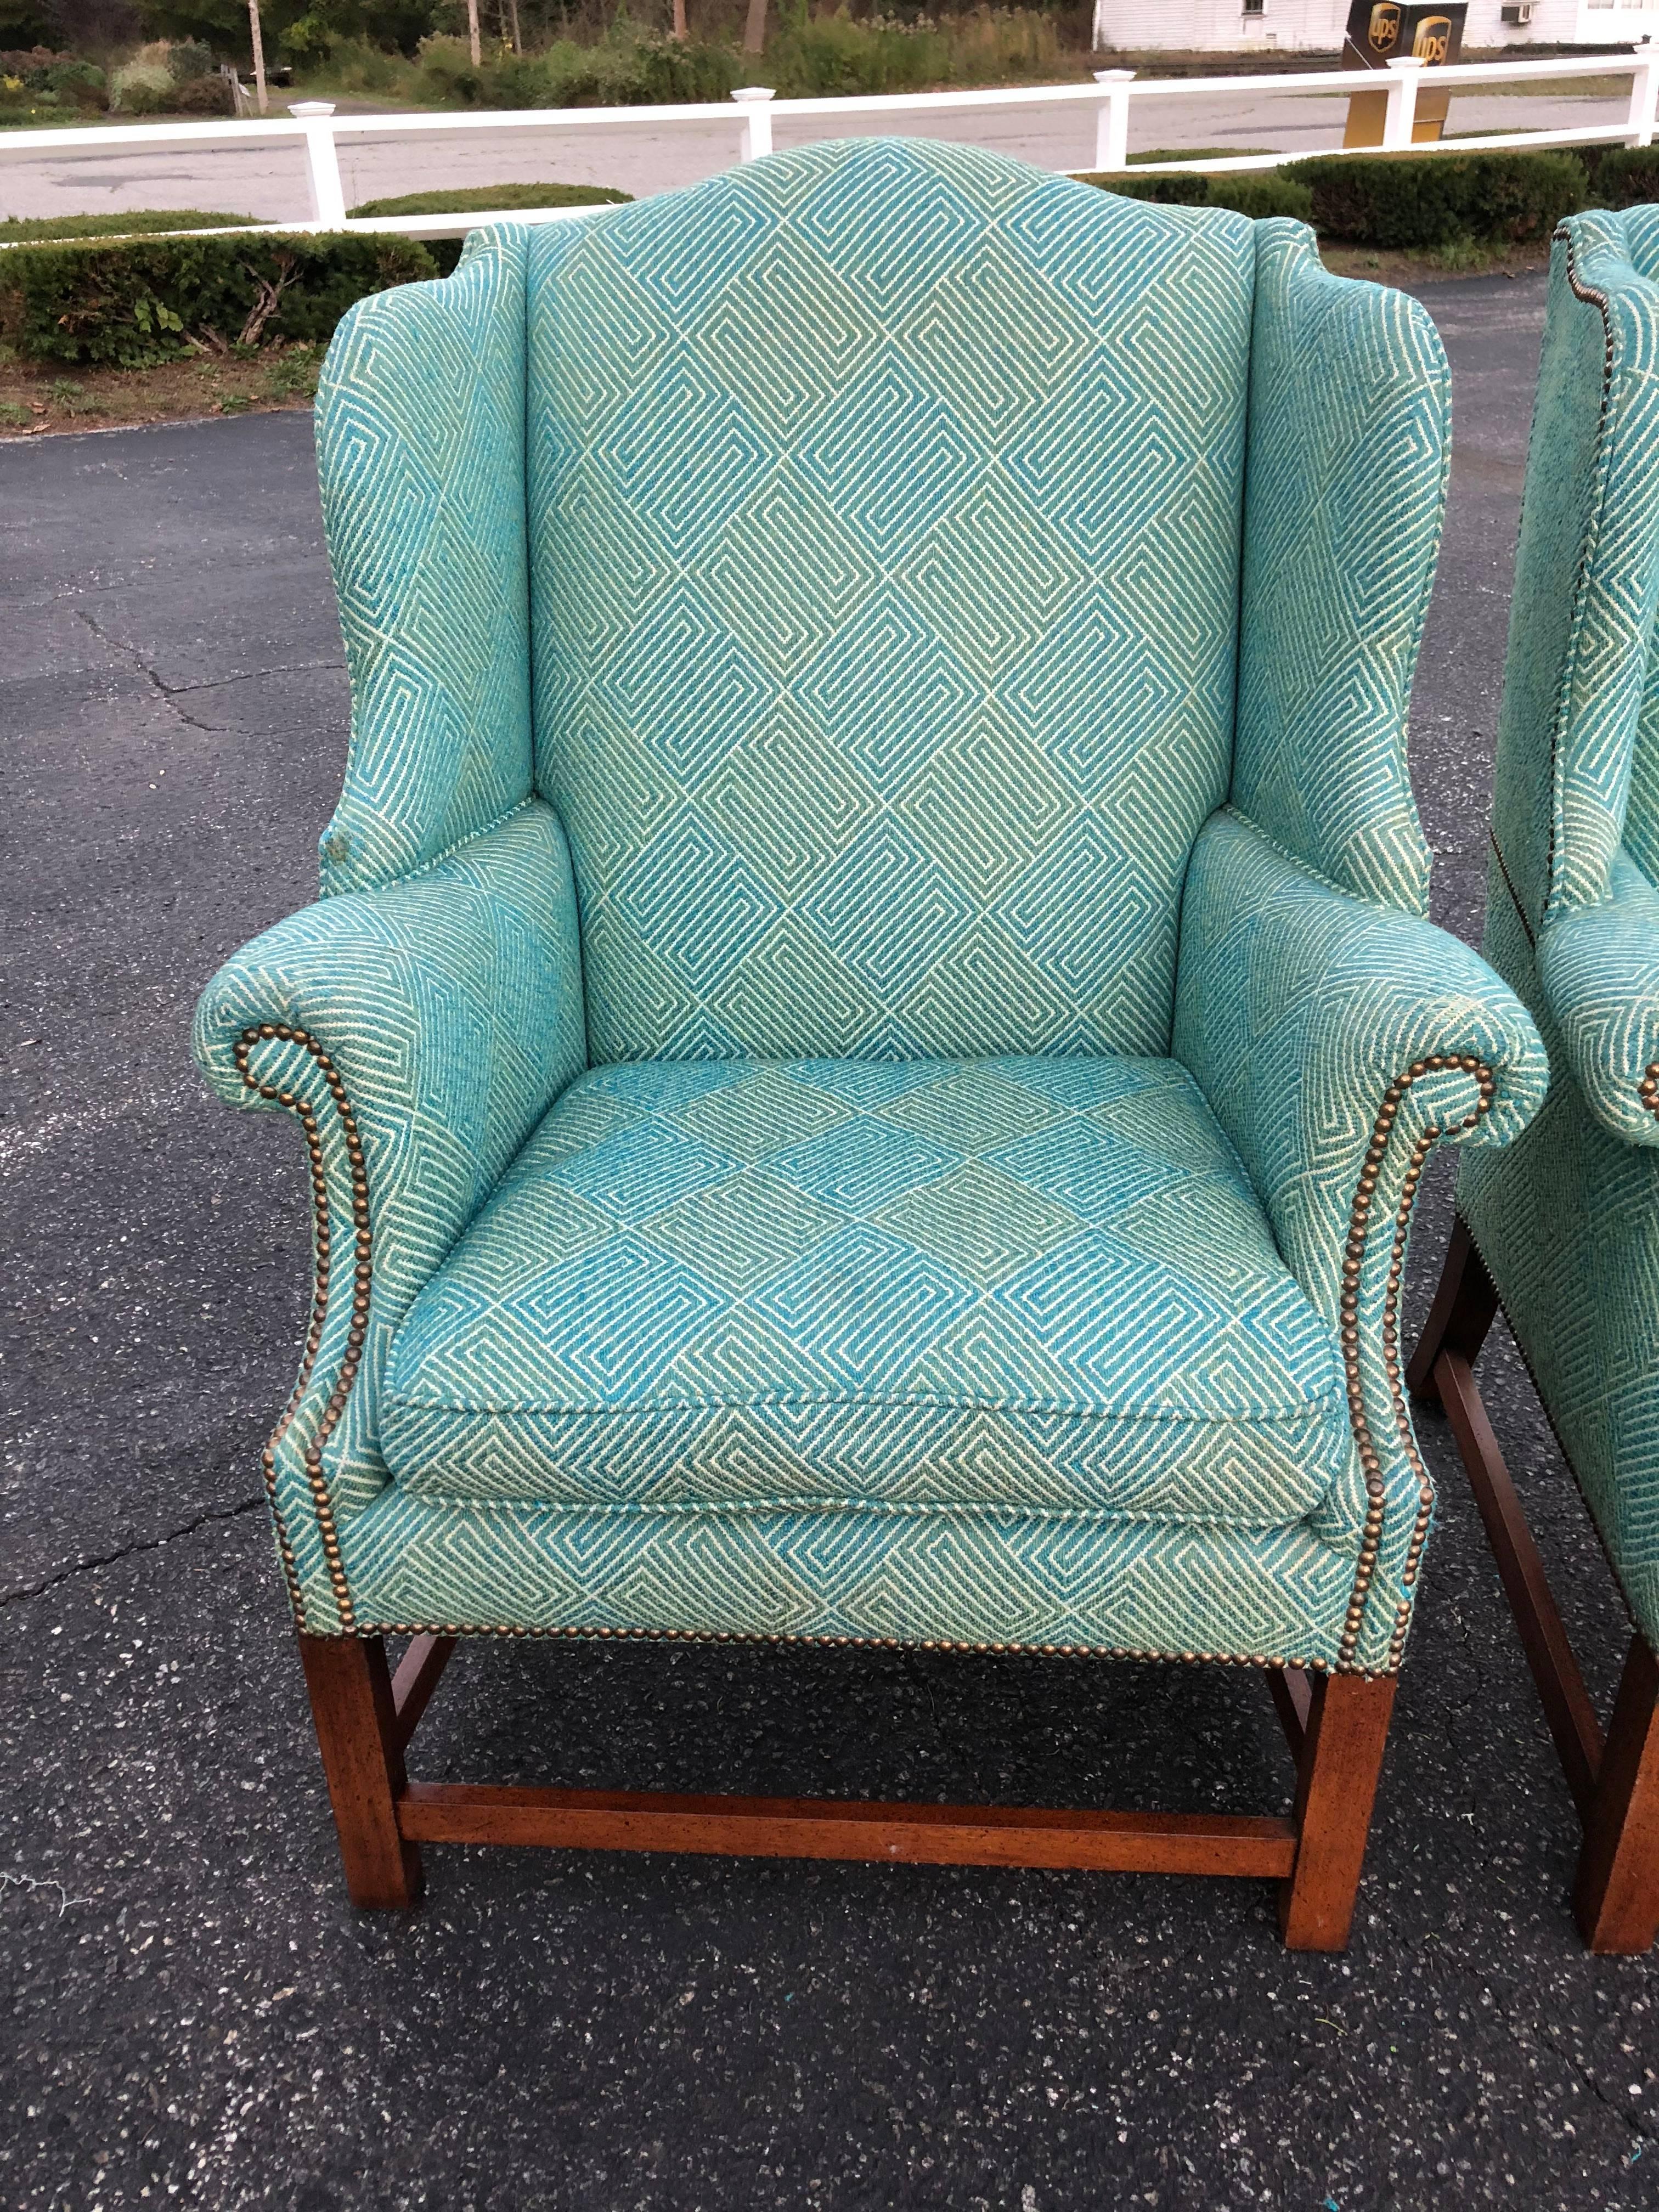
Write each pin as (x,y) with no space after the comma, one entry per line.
(268,180)
(193,2014)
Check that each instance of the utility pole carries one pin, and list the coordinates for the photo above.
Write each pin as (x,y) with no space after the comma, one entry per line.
(680,31)
(471,31)
(258,51)
(753,37)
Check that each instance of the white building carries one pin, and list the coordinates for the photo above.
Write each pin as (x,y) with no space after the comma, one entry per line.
(1231,26)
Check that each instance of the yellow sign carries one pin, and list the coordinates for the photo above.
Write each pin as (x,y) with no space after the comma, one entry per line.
(1385,26)
(1433,38)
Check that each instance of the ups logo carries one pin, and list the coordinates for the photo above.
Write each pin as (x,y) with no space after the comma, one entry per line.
(1433,38)
(1384,25)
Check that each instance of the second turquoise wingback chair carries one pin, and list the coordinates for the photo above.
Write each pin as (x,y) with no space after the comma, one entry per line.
(1566,1231)
(870,1036)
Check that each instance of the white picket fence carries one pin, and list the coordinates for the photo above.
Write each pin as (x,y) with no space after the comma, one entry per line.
(1112,93)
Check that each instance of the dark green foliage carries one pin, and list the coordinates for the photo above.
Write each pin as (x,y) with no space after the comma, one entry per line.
(221,25)
(43,78)
(492,198)
(1622,176)
(146,301)
(29,23)
(1253,193)
(22,229)
(1428,200)
(1188,190)
(1260,192)
(626,71)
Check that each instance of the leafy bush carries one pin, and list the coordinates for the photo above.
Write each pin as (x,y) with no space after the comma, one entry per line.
(1435,199)
(149,300)
(625,69)
(187,59)
(1622,176)
(204,95)
(22,229)
(822,56)
(140,88)
(832,55)
(485,198)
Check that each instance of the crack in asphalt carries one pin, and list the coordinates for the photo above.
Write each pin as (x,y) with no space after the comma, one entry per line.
(172,693)
(131,1551)
(1632,2120)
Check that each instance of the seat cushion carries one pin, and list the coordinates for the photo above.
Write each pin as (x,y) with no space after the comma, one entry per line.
(1035,1283)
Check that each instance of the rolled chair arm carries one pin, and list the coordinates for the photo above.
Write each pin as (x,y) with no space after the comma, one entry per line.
(1337,1041)
(1599,967)
(418,1031)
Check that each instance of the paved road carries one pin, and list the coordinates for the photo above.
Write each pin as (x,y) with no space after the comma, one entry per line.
(269,182)
(194,2016)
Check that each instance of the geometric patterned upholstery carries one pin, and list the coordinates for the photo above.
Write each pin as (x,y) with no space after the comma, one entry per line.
(1568,1223)
(885,507)
(1042,1283)
(794,627)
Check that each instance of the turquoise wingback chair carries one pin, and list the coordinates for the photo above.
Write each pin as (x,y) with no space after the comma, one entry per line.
(871,1035)
(1566,1231)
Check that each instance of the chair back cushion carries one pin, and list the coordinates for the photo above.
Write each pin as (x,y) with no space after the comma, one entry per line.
(884,521)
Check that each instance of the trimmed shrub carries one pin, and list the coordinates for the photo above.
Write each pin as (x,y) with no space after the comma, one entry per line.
(487,198)
(26,228)
(149,300)
(1188,191)
(1260,192)
(1430,200)
(1253,193)
(1622,176)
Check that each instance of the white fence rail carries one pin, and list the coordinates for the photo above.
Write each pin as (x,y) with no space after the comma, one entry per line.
(1112,93)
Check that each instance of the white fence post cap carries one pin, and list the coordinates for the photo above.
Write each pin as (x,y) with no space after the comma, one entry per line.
(1408,62)
(755,92)
(1112,77)
(311,108)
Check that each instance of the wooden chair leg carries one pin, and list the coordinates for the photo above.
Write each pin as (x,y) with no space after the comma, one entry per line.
(1616,1896)
(351,1703)
(1346,1731)
(1464,1309)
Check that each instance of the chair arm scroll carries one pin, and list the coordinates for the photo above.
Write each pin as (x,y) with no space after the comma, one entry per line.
(418,1032)
(1337,1043)
(1599,966)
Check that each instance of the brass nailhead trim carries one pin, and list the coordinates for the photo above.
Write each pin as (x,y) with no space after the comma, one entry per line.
(1648,1088)
(1599,301)
(323,1504)
(833,1643)
(1352,1267)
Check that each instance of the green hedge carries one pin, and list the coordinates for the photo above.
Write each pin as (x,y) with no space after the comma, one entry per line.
(23,229)
(1428,200)
(1622,176)
(144,301)
(494,199)
(1254,193)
